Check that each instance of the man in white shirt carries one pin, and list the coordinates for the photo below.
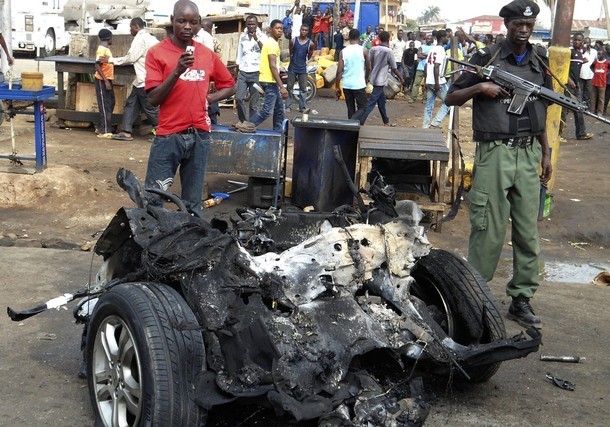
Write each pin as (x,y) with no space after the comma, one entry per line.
(248,60)
(586,74)
(436,84)
(398,46)
(206,37)
(137,100)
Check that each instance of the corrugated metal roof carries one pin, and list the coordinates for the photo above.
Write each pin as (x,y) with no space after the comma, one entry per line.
(581,24)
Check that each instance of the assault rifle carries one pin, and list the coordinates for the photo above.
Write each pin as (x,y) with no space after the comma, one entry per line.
(522,89)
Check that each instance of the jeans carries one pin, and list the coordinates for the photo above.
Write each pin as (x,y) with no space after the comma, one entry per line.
(302,79)
(355,98)
(214,112)
(411,75)
(273,102)
(579,117)
(377,98)
(190,151)
(431,97)
(136,102)
(400,70)
(585,86)
(245,83)
(105,102)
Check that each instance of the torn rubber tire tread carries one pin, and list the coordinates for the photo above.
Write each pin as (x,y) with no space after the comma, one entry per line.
(474,311)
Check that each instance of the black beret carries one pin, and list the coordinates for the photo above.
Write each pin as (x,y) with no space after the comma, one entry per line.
(520,9)
(104,34)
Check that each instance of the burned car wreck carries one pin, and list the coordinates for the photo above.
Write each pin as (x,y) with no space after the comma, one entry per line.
(318,315)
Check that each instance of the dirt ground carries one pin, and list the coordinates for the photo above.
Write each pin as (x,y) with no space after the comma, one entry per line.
(76,196)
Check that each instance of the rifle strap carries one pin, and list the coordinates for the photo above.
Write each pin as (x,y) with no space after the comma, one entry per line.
(497,47)
(547,68)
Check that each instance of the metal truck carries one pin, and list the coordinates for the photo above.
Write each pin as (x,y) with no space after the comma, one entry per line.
(43,27)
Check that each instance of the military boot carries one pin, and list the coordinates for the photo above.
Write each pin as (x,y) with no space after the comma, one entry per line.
(521,312)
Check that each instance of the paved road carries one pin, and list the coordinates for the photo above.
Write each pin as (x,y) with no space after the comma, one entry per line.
(40,356)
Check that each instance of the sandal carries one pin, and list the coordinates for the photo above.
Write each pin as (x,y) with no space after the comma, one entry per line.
(122,136)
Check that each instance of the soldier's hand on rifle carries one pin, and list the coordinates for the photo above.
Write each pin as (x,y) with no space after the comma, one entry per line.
(492,90)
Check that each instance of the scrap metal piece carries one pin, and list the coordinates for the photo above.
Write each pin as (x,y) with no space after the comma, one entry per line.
(564,384)
(565,359)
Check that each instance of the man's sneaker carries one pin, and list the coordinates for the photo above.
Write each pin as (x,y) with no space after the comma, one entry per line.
(585,136)
(104,135)
(521,312)
(244,127)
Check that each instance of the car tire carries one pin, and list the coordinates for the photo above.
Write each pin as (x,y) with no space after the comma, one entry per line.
(464,305)
(145,353)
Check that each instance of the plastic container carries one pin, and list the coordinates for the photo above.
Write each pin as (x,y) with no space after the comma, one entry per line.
(31,80)
(317,179)
(212,202)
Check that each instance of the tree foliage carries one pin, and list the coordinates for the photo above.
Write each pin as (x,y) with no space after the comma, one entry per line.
(431,14)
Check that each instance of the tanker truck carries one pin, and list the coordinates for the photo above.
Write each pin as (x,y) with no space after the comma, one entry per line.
(43,27)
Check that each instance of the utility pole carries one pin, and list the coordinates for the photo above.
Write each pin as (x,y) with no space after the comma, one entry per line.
(559,60)
(605,4)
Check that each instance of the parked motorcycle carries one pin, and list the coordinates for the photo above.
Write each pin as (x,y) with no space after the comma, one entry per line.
(311,90)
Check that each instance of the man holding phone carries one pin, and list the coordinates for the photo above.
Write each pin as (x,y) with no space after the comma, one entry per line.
(178,75)
(248,60)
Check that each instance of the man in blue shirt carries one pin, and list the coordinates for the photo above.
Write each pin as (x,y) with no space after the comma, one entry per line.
(301,49)
(420,72)
(287,22)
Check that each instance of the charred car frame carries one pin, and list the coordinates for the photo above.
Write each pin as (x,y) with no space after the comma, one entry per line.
(316,315)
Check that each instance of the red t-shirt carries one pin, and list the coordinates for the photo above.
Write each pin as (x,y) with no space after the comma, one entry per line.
(316,25)
(325,24)
(186,105)
(376,41)
(600,72)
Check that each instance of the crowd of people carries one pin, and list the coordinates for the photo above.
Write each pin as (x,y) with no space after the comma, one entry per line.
(174,79)
(418,65)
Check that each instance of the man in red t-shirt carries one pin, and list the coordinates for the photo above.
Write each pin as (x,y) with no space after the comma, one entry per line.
(178,75)
(325,27)
(348,13)
(600,75)
(315,31)
(377,41)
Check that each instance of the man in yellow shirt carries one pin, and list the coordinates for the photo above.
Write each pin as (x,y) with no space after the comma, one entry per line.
(104,75)
(270,80)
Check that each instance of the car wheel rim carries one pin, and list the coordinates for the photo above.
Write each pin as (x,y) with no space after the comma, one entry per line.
(48,43)
(117,374)
(429,293)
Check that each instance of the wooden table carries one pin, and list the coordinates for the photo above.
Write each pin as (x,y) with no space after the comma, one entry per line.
(80,65)
(406,143)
